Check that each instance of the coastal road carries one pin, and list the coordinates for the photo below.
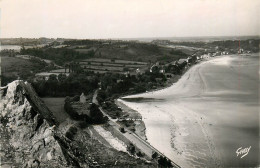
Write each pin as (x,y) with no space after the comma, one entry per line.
(141,144)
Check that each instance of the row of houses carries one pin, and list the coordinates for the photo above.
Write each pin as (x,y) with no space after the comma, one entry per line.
(46,75)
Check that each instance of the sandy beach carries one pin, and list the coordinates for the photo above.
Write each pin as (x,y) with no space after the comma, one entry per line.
(203,119)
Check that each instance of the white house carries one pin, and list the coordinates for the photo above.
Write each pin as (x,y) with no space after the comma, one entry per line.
(82,98)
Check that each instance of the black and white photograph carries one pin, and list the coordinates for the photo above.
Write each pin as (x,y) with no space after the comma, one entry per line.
(129,83)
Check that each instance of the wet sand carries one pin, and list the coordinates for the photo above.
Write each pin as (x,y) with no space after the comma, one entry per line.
(213,110)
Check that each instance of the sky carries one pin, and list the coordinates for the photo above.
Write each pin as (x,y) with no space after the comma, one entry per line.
(128,18)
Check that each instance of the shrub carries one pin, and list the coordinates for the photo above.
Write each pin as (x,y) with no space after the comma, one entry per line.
(139,154)
(131,148)
(71,132)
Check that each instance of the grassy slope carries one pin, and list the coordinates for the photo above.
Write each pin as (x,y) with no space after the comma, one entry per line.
(14,66)
(135,52)
(56,105)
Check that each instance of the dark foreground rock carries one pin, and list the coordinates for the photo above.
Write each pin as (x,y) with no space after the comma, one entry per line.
(29,137)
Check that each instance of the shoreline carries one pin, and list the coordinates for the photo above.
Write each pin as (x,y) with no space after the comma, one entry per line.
(175,140)
(195,126)
(178,77)
(134,115)
(119,102)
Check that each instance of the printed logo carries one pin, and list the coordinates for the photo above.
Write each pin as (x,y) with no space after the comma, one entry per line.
(243,152)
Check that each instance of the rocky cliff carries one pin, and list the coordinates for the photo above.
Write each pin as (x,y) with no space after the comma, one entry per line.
(29,137)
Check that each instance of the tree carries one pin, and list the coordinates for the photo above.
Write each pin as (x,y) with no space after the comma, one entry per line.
(95,114)
(125,69)
(131,148)
(22,51)
(155,69)
(52,78)
(62,77)
(140,88)
(122,129)
(52,85)
(164,162)
(139,154)
(154,155)
(101,96)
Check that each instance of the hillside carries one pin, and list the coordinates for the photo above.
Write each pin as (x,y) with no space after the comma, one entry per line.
(32,137)
(14,68)
(133,51)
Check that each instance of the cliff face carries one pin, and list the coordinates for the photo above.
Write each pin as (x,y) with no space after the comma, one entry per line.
(29,137)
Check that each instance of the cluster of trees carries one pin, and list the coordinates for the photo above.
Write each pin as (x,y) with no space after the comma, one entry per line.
(115,85)
(81,42)
(41,65)
(164,162)
(131,148)
(96,115)
(178,52)
(91,114)
(62,85)
(8,52)
(59,55)
(112,85)
(111,108)
(175,69)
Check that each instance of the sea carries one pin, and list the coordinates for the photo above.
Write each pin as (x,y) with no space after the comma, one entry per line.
(210,117)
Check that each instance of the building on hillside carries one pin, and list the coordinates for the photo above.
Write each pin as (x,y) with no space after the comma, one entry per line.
(127,74)
(156,68)
(46,75)
(240,51)
(119,80)
(182,61)
(162,71)
(82,98)
(137,71)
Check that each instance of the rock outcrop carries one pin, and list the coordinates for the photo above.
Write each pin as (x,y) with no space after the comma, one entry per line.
(29,137)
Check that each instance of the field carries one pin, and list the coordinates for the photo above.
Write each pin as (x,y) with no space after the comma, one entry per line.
(112,65)
(56,105)
(13,66)
(18,68)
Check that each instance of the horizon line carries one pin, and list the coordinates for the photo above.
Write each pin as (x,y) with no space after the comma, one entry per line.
(116,38)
